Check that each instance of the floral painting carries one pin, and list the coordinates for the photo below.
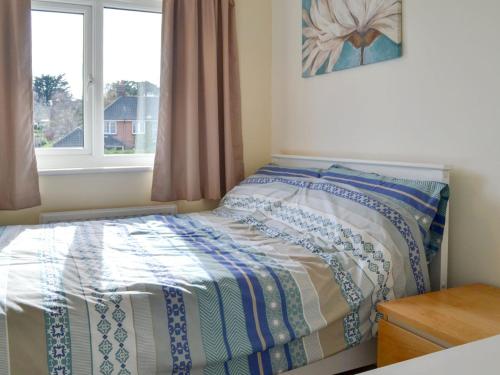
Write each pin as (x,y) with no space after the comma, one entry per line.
(342,34)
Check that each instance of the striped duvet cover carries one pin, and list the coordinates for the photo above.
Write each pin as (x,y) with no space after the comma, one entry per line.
(287,271)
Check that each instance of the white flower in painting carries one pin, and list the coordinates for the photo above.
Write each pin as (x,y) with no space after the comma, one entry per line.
(330,23)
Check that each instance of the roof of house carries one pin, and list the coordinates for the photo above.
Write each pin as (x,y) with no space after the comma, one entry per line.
(130,108)
(112,142)
(75,139)
(72,139)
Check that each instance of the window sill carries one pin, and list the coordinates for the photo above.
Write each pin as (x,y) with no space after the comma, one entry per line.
(96,170)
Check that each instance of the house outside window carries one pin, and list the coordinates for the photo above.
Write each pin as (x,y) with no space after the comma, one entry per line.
(95,81)
(134,133)
(138,127)
(110,128)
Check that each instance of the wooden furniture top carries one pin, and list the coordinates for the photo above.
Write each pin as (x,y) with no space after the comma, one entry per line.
(450,317)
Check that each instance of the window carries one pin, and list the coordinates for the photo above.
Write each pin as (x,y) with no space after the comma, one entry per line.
(96,78)
(138,127)
(110,128)
(132,74)
(58,67)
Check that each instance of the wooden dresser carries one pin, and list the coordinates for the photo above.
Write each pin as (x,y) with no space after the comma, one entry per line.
(425,324)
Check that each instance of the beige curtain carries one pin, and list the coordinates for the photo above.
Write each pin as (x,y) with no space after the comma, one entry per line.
(18,171)
(199,152)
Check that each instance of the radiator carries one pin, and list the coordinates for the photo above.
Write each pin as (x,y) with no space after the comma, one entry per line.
(107,213)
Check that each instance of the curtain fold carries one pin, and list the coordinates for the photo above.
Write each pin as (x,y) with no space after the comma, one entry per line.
(18,171)
(199,150)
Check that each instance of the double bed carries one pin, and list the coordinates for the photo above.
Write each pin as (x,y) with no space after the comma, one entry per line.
(283,277)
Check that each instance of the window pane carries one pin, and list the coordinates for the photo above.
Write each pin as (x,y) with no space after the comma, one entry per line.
(58,79)
(132,42)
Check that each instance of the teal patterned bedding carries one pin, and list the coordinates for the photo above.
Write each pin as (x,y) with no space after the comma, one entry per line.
(287,271)
(427,201)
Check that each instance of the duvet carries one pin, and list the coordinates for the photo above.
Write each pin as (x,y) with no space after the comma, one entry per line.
(287,271)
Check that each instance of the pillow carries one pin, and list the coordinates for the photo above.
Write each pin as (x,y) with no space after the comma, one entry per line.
(268,184)
(426,200)
(279,171)
(348,228)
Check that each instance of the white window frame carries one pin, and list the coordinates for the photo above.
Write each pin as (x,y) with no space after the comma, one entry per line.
(138,127)
(92,156)
(110,124)
(88,93)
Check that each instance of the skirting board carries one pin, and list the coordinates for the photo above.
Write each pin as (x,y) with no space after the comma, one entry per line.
(107,213)
(360,356)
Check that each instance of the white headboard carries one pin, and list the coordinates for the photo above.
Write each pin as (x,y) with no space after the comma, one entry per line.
(432,172)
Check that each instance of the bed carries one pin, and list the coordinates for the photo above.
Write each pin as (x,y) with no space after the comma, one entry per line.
(283,277)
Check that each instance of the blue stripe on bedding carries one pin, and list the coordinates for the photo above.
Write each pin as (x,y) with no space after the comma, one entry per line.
(281,292)
(253,364)
(267,363)
(282,174)
(279,286)
(440,219)
(288,357)
(240,271)
(247,303)
(427,199)
(284,308)
(176,226)
(392,185)
(223,320)
(431,211)
(291,172)
(256,360)
(437,229)
(371,203)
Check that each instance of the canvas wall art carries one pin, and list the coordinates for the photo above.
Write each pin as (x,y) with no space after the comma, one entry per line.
(342,34)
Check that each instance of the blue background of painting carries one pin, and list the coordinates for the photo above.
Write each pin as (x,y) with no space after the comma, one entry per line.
(381,49)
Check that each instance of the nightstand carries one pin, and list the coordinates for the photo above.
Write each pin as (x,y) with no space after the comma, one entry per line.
(424,324)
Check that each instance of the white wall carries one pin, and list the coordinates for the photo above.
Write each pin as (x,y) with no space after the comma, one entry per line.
(134,189)
(439,103)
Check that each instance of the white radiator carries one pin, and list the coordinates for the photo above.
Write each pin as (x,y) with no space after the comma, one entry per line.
(107,213)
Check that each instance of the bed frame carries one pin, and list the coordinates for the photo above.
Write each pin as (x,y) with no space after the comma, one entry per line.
(365,354)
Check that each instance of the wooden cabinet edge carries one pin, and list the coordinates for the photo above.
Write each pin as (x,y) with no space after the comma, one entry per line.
(396,345)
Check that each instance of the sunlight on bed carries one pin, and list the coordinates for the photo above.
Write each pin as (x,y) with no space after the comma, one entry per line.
(23,270)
